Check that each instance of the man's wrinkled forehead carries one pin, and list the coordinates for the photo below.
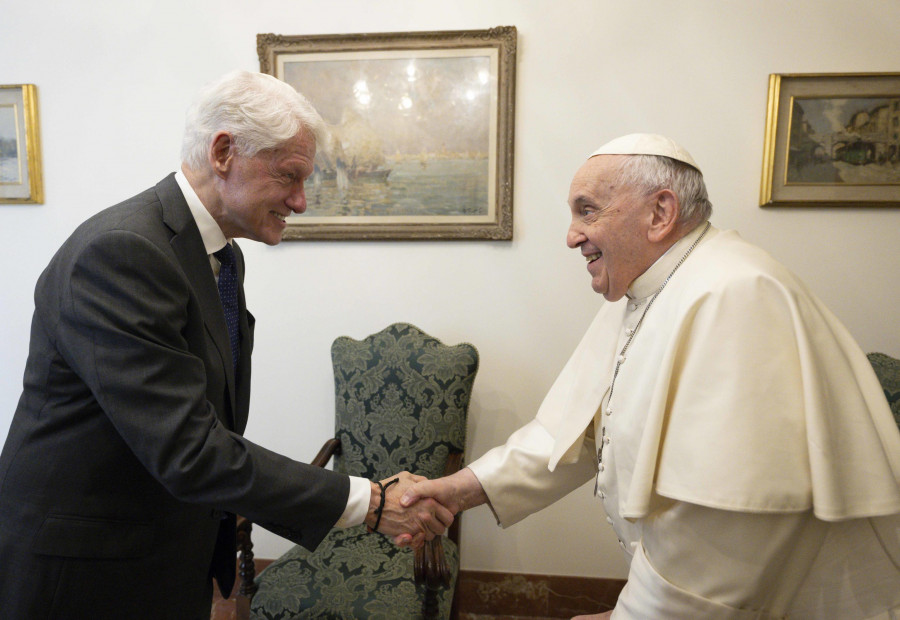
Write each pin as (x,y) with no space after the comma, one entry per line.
(646,144)
(595,180)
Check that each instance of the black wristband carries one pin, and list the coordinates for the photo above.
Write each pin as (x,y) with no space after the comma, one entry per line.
(380,508)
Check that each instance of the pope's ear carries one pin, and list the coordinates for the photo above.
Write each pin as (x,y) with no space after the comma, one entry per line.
(221,153)
(664,215)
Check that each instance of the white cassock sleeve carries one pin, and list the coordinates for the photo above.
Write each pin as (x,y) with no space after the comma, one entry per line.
(516,479)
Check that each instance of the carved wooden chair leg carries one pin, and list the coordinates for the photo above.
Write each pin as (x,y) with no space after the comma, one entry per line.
(246,569)
(430,567)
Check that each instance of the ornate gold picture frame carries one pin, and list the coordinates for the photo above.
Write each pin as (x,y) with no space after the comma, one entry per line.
(832,139)
(20,145)
(421,132)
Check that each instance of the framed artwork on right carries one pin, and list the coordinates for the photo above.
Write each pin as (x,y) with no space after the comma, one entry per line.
(832,139)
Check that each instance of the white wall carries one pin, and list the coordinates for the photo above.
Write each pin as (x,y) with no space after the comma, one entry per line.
(114,79)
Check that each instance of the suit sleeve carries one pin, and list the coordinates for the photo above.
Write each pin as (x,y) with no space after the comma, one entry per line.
(125,310)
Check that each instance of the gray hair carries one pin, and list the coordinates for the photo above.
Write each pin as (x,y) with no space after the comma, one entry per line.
(651,173)
(258,110)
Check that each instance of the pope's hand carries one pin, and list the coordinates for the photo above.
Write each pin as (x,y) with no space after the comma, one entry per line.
(455,493)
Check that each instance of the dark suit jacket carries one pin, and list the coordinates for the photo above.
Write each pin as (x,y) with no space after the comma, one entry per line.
(125,451)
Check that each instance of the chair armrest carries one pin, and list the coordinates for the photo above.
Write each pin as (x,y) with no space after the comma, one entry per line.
(331,447)
(430,565)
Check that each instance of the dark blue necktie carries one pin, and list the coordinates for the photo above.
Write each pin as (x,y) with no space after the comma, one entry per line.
(228,293)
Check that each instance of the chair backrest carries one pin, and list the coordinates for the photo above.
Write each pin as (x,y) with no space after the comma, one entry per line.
(887,369)
(401,400)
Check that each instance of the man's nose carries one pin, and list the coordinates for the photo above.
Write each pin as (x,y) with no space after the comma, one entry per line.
(297,200)
(574,237)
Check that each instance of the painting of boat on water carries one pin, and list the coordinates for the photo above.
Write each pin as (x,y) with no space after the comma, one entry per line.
(418,144)
(408,135)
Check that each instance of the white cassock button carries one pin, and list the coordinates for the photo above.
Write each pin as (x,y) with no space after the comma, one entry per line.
(600,467)
(609,520)
(602,495)
(632,306)
(608,411)
(629,331)
(606,440)
(621,359)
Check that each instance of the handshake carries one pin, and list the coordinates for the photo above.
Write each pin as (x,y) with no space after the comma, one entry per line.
(413,509)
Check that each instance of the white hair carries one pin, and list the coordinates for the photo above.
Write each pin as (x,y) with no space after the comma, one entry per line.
(259,111)
(651,173)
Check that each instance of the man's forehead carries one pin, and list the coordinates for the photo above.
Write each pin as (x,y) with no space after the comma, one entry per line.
(595,178)
(599,169)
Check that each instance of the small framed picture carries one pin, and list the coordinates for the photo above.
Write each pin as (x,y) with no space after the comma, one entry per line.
(20,145)
(832,140)
(420,132)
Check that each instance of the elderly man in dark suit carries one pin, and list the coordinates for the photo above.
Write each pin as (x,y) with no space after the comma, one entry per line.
(124,464)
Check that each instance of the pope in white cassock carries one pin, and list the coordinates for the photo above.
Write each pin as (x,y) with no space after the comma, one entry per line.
(742,446)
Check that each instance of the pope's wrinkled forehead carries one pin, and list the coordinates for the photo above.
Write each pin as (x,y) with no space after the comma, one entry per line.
(646,144)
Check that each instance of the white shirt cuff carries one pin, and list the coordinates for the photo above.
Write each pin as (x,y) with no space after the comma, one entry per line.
(357,503)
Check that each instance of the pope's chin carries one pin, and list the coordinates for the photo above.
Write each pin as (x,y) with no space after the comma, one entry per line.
(601,287)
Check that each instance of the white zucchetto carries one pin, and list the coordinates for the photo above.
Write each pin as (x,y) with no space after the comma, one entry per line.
(646,144)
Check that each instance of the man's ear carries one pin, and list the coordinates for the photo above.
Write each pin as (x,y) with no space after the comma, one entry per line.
(222,153)
(663,215)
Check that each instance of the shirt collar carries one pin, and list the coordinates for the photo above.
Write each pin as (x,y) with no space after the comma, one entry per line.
(213,239)
(647,283)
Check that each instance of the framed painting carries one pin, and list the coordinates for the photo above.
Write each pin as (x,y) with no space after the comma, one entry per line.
(420,132)
(832,140)
(20,146)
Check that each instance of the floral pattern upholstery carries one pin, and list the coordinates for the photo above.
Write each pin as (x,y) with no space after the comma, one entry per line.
(401,399)
(888,371)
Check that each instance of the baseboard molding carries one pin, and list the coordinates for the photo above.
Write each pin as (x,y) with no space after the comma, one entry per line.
(507,594)
(517,594)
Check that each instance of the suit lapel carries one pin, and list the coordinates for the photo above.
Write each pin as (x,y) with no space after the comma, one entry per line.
(188,247)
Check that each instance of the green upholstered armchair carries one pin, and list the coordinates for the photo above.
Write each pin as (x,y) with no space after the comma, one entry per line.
(887,369)
(401,400)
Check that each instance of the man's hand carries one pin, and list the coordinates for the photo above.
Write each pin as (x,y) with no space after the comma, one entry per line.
(407,525)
